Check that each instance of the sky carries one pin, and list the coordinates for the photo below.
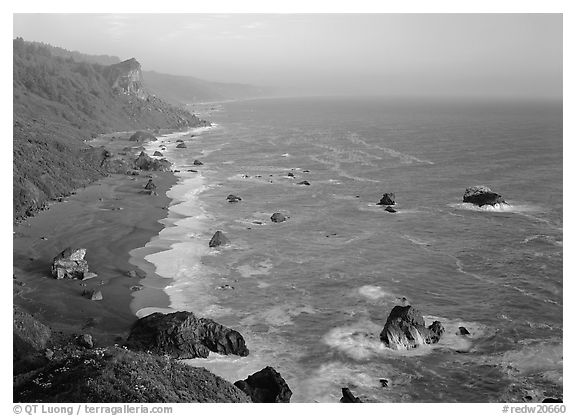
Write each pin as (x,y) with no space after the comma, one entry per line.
(453,55)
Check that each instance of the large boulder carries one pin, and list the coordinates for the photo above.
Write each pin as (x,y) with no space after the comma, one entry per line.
(181,146)
(266,386)
(145,162)
(389,198)
(182,335)
(70,264)
(405,329)
(197,162)
(218,239)
(142,136)
(482,195)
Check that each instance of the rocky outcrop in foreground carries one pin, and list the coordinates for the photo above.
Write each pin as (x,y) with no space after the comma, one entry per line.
(266,386)
(115,375)
(70,264)
(182,335)
(482,195)
(405,329)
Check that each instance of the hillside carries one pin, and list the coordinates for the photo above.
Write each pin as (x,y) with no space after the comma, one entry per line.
(58,103)
(186,90)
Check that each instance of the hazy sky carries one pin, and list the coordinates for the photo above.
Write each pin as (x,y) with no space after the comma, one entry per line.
(490,55)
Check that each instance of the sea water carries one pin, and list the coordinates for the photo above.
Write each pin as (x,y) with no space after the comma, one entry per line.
(310,295)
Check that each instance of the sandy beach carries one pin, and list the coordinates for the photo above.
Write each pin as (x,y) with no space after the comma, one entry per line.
(109,218)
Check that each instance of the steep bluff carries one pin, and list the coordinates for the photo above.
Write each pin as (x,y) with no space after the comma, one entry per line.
(126,78)
(60,103)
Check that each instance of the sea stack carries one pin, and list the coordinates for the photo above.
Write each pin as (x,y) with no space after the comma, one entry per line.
(218,239)
(405,329)
(481,195)
(389,198)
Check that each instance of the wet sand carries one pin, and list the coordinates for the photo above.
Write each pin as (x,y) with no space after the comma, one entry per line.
(109,219)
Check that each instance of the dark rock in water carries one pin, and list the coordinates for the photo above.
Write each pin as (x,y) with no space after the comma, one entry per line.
(145,162)
(266,386)
(70,264)
(390,209)
(405,329)
(348,397)
(383,382)
(233,198)
(304,183)
(482,195)
(95,295)
(150,185)
(179,141)
(290,174)
(181,146)
(86,341)
(278,217)
(552,400)
(192,170)
(463,331)
(197,163)
(218,239)
(157,153)
(182,335)
(141,136)
(389,198)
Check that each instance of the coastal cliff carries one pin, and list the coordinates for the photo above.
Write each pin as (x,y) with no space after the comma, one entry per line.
(59,104)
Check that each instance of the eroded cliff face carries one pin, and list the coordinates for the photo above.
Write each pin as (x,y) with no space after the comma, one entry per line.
(126,78)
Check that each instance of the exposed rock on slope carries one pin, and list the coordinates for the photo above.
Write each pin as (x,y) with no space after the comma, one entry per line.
(183,335)
(142,136)
(405,329)
(266,386)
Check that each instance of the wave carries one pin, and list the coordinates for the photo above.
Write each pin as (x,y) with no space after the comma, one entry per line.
(404,157)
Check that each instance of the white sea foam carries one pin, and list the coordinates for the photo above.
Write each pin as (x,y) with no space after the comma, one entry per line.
(375,292)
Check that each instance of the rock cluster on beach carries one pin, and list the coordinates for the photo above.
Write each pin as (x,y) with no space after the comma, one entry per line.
(142,136)
(481,195)
(405,329)
(266,386)
(70,264)
(145,162)
(182,335)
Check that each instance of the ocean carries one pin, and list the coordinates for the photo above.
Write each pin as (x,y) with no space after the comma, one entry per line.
(310,295)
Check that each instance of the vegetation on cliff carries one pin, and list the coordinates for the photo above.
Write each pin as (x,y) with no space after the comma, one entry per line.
(59,103)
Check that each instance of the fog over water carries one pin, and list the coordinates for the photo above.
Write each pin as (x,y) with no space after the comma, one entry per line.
(516,56)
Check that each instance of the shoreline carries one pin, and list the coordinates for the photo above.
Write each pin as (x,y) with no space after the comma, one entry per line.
(110,218)
(164,254)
